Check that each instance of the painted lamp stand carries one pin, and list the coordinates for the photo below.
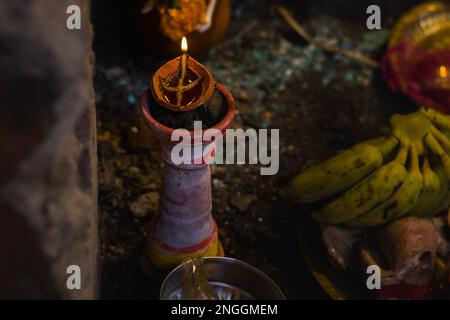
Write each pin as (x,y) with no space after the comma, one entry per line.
(184,226)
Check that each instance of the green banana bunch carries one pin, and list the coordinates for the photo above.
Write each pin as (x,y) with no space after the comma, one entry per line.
(342,171)
(382,179)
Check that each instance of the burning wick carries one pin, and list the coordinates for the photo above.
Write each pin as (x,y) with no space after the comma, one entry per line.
(183,64)
(182,74)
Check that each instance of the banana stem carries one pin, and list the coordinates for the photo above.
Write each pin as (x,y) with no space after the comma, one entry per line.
(387,146)
(414,159)
(434,145)
(436,117)
(402,155)
(441,138)
(426,165)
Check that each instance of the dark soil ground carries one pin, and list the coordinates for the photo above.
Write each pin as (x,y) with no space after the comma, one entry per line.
(321,102)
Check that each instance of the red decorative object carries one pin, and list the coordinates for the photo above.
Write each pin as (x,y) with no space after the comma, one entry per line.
(422,74)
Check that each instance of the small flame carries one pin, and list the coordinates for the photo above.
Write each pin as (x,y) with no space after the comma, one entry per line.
(184,45)
(443,71)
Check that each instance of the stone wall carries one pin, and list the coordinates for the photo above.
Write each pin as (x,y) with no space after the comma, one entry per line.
(48,171)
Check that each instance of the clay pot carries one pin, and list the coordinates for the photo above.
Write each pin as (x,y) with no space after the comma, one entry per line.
(147,28)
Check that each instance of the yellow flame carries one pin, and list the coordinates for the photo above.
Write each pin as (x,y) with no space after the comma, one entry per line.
(443,71)
(184,45)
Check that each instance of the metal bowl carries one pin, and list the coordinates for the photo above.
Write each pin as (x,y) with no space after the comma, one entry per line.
(230,279)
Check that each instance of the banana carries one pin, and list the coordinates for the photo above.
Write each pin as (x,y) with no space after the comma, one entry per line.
(335,174)
(441,196)
(430,193)
(386,145)
(437,149)
(367,194)
(436,117)
(400,203)
(340,172)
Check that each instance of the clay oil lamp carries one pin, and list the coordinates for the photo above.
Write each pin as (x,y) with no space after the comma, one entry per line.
(184,227)
(187,88)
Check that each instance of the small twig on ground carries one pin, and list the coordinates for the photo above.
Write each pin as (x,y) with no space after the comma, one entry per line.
(357,56)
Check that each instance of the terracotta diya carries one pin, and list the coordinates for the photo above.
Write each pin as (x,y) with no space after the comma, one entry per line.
(182,84)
